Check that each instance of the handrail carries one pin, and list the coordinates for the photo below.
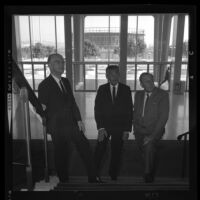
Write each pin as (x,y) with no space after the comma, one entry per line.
(179,137)
(22,82)
(26,115)
(184,152)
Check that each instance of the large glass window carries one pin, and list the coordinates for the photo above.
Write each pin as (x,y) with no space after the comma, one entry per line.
(101,38)
(39,37)
(140,38)
(140,43)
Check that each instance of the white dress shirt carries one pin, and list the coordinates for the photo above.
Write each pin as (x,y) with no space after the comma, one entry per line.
(57,81)
(116,88)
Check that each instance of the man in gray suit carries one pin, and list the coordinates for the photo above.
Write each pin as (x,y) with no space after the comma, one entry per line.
(151,112)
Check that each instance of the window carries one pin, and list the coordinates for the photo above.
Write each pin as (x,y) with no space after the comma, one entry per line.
(39,36)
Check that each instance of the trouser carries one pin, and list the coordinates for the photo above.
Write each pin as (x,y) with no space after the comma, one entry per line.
(149,152)
(62,147)
(116,150)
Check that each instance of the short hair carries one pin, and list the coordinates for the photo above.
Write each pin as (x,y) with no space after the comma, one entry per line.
(53,55)
(112,67)
(146,74)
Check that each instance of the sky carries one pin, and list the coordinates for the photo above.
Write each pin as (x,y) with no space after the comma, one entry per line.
(44,27)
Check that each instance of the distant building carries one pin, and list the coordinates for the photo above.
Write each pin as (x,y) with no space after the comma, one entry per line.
(103,37)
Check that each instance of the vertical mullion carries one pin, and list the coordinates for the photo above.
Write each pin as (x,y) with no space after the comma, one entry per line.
(136,36)
(108,38)
(29,21)
(33,78)
(22,68)
(45,75)
(96,76)
(55,32)
(84,77)
(148,67)
(135,76)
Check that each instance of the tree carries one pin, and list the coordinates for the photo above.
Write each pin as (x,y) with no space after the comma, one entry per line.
(131,47)
(90,48)
(38,51)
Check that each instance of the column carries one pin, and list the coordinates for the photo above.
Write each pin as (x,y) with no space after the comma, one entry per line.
(179,48)
(68,48)
(123,47)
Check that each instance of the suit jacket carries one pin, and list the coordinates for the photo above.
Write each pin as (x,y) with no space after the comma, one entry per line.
(62,112)
(114,117)
(156,113)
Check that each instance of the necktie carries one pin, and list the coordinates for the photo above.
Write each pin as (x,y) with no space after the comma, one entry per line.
(63,89)
(147,99)
(113,94)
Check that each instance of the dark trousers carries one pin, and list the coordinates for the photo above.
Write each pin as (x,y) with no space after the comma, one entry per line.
(116,150)
(62,147)
(149,152)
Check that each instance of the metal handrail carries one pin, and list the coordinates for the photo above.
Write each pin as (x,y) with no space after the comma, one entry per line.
(29,95)
(179,137)
(26,118)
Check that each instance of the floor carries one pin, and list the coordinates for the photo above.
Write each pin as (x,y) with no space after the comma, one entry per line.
(123,183)
(178,121)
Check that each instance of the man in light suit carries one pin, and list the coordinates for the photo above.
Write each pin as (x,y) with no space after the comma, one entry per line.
(64,120)
(113,115)
(151,111)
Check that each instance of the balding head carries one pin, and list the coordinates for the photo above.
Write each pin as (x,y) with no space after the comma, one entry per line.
(56,64)
(54,56)
(147,81)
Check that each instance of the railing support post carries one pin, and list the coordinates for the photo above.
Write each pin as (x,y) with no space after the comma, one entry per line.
(46,173)
(26,114)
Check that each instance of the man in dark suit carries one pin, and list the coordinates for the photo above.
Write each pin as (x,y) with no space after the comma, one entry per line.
(113,115)
(150,115)
(64,120)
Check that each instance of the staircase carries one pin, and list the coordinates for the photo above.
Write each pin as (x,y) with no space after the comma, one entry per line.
(124,184)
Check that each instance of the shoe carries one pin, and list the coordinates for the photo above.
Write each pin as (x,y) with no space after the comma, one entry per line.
(100,180)
(96,180)
(148,178)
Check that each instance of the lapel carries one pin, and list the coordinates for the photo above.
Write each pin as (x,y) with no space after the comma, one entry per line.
(153,94)
(108,92)
(54,85)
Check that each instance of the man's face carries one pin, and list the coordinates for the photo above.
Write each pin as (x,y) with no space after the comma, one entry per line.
(113,76)
(56,65)
(147,83)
